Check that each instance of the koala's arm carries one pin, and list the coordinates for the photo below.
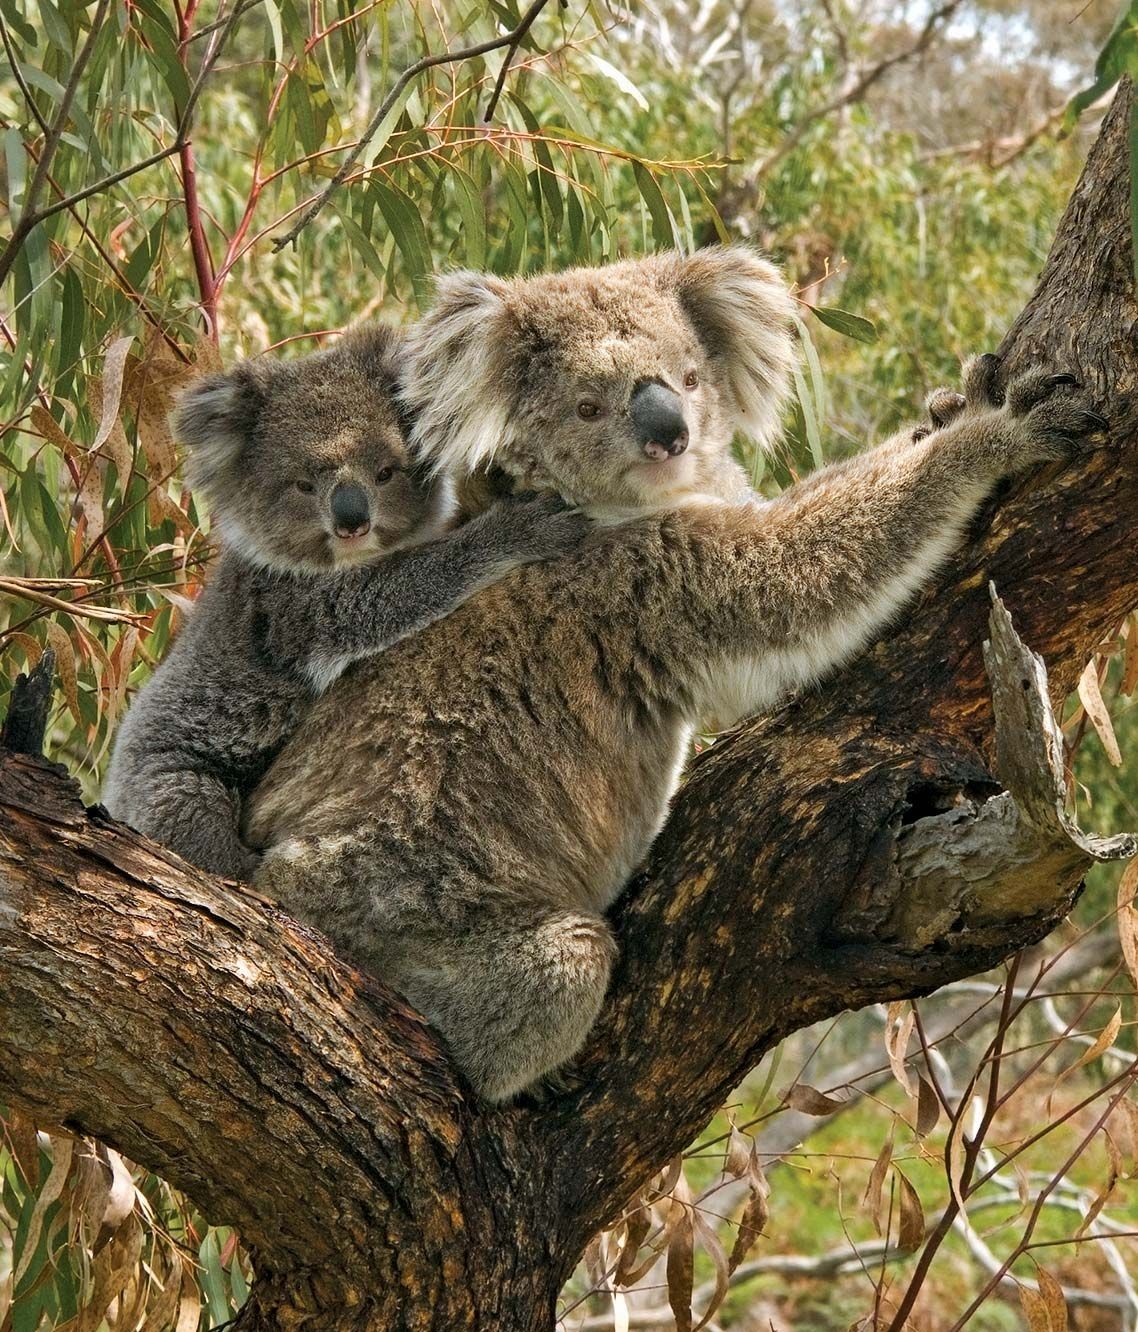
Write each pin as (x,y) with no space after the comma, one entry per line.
(800,584)
(361,612)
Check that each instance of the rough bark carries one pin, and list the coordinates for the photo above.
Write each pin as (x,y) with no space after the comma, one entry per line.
(193,1027)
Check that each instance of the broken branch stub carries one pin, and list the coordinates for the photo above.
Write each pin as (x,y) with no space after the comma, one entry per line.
(1019,854)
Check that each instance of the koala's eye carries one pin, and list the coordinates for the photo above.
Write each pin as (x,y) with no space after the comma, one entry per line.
(384,475)
(691,380)
(305,487)
(586,410)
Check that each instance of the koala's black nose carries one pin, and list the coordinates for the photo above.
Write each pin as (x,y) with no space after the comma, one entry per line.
(658,418)
(350,514)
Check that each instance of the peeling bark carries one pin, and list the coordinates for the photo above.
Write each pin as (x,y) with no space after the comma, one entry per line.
(852,848)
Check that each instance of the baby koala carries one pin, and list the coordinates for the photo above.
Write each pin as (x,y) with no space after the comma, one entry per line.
(335,546)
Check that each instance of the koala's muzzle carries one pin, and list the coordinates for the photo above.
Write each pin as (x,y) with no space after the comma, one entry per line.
(658,419)
(350,514)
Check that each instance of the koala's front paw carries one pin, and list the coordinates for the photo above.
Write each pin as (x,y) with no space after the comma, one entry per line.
(1051,419)
(542,528)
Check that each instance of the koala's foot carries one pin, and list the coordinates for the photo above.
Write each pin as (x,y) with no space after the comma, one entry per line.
(515,1002)
(553,1085)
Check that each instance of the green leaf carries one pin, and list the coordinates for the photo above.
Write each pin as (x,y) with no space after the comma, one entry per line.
(809,418)
(848,325)
(15,15)
(73,312)
(817,379)
(472,211)
(1118,56)
(402,217)
(16,158)
(387,125)
(662,229)
(363,247)
(163,53)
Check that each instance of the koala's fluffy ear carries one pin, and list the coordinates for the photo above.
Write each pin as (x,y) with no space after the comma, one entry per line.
(214,419)
(741,310)
(455,373)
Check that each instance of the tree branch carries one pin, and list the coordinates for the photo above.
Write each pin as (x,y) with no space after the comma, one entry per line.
(192,1026)
(508,39)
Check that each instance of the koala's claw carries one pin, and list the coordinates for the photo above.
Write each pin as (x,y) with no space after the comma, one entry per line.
(1028,390)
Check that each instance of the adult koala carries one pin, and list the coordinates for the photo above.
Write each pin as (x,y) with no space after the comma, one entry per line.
(458,813)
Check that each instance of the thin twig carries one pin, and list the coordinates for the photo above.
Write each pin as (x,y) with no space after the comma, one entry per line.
(18,75)
(411,72)
(52,136)
(508,59)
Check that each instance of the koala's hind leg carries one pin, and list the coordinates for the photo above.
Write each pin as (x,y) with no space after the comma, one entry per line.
(515,1001)
(512,988)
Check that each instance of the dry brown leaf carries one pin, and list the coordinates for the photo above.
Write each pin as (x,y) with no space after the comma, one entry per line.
(1126,1108)
(872,1198)
(152,384)
(23,1143)
(801,1096)
(1090,695)
(90,1192)
(110,383)
(161,1313)
(114,1266)
(898,1030)
(189,1311)
(680,1265)
(594,1261)
(43,423)
(62,1150)
(60,642)
(1103,1041)
(637,1224)
(709,1242)
(739,1148)
(161,508)
(1102,1197)
(1128,917)
(955,1162)
(928,1106)
(1054,1301)
(1130,665)
(912,1227)
(90,500)
(31,647)
(1035,1310)
(204,355)
(756,1213)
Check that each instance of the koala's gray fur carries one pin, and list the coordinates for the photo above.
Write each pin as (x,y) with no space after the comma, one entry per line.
(275,447)
(459,813)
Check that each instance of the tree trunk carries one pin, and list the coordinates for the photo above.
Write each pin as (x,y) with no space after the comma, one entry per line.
(853,847)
